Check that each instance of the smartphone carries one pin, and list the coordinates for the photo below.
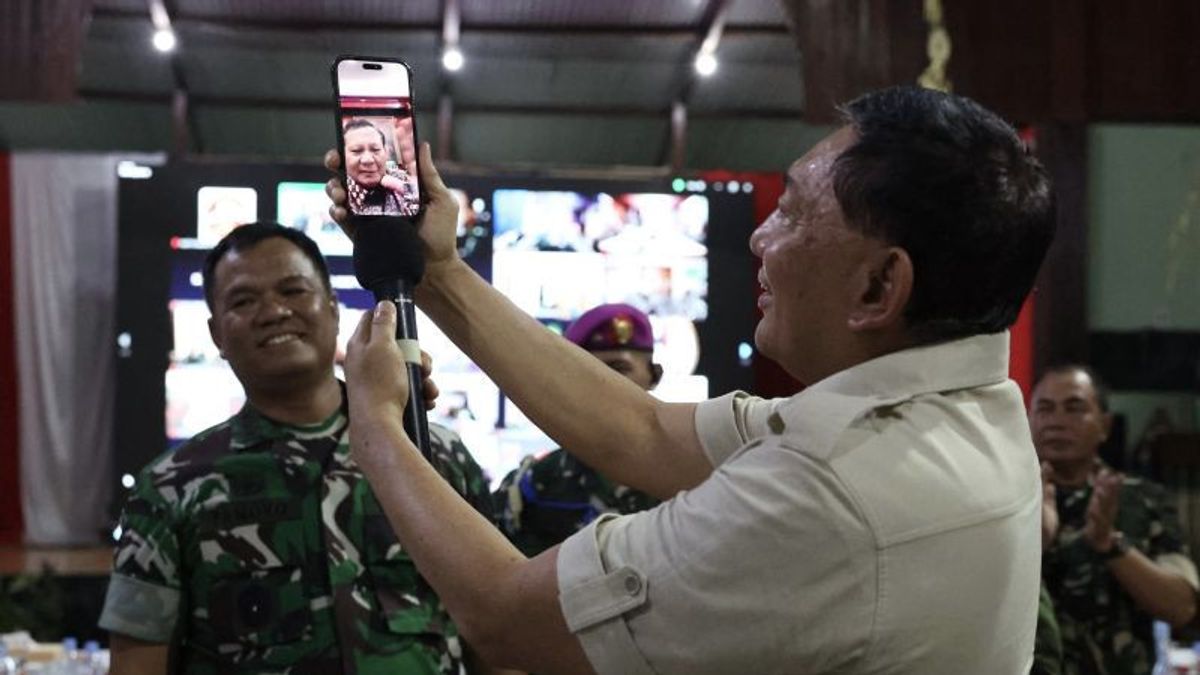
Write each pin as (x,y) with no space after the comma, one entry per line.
(377,136)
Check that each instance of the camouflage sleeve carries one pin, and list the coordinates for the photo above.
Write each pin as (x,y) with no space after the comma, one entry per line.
(1047,645)
(451,458)
(1161,520)
(1166,543)
(502,506)
(508,501)
(144,591)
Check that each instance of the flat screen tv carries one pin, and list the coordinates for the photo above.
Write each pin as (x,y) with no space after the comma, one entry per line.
(555,246)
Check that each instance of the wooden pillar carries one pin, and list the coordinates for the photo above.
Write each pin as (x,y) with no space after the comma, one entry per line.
(40,45)
(678,136)
(180,136)
(445,127)
(1061,317)
(849,47)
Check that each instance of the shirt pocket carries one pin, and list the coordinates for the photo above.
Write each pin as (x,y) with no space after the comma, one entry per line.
(261,607)
(252,585)
(408,606)
(416,619)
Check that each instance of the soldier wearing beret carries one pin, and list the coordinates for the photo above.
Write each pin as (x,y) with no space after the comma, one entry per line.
(548,499)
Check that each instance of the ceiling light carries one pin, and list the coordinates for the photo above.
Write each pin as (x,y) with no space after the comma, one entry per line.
(164,40)
(706,64)
(452,59)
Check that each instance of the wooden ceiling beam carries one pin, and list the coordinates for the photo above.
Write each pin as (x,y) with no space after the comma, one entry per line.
(333,25)
(185,132)
(708,36)
(430,107)
(451,32)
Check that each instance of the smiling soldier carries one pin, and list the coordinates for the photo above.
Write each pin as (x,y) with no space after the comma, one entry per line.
(257,546)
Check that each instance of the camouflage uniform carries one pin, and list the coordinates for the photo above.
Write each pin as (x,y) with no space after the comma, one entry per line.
(1047,642)
(260,548)
(1103,631)
(547,500)
(544,501)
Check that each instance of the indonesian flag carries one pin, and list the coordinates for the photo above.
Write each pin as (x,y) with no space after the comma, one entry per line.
(58,244)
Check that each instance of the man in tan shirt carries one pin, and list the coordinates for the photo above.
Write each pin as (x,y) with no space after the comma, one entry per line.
(886,519)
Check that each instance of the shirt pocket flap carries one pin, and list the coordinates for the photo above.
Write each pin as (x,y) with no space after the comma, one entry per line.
(264,606)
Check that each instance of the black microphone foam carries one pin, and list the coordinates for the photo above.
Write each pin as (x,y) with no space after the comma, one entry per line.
(386,251)
(389,262)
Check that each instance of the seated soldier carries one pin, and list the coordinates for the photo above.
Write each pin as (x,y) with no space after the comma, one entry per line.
(548,499)
(1114,557)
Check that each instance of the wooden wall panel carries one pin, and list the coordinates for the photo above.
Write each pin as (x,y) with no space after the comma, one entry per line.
(40,44)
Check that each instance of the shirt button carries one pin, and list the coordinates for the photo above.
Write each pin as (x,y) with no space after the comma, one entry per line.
(633,584)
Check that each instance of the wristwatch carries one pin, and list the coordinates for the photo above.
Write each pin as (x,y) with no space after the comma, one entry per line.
(1119,547)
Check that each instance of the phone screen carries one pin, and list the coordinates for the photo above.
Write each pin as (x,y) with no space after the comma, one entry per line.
(378,137)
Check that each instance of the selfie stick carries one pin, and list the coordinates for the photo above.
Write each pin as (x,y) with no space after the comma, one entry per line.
(388,262)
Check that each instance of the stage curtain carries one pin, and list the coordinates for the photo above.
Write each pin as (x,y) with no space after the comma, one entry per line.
(64,271)
(10,490)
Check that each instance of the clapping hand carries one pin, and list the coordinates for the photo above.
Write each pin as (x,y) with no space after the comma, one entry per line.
(1049,506)
(1101,520)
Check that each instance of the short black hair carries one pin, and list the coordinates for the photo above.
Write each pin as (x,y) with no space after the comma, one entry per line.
(362,123)
(952,184)
(248,236)
(1099,386)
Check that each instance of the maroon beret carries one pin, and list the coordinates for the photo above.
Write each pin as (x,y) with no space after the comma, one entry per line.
(617,326)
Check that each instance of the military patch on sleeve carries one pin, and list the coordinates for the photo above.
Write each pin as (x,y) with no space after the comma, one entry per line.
(140,610)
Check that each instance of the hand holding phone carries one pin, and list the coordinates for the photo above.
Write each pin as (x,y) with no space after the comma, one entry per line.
(377,136)
(377,143)
(439,214)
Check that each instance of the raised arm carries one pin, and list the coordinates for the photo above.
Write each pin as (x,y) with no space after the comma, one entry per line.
(605,420)
(505,605)
(1158,590)
(131,656)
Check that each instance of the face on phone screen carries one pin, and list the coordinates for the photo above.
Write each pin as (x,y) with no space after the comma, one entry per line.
(378,139)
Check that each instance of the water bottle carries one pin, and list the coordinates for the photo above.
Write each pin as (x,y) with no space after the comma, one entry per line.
(1162,648)
(68,662)
(89,661)
(8,665)
(1184,661)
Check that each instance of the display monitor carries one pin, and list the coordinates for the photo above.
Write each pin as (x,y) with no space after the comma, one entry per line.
(220,208)
(305,207)
(556,247)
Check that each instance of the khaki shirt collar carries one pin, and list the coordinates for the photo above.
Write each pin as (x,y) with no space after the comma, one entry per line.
(822,412)
(945,366)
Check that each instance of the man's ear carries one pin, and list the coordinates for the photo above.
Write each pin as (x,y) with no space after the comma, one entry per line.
(333,302)
(656,373)
(885,284)
(215,333)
